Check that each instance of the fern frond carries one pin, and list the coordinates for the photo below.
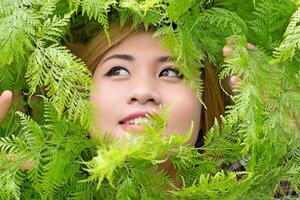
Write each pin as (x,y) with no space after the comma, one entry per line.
(83,191)
(64,76)
(75,5)
(145,12)
(142,7)
(173,12)
(7,77)
(55,164)
(10,184)
(270,16)
(189,66)
(226,19)
(212,187)
(260,127)
(53,175)
(33,133)
(13,144)
(18,25)
(97,10)
(47,8)
(52,29)
(152,147)
(291,42)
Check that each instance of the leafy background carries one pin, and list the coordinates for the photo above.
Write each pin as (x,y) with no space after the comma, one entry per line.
(51,88)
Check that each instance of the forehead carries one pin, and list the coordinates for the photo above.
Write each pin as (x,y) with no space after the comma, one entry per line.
(139,43)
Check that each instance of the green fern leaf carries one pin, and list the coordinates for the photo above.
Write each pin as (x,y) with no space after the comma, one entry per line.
(290,44)
(62,73)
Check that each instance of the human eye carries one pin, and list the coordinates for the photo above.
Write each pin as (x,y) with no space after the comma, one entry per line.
(117,71)
(171,72)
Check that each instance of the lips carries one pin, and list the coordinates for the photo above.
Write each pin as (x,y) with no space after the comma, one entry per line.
(132,122)
(129,118)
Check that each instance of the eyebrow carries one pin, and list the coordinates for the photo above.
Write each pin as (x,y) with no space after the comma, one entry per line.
(120,56)
(131,58)
(164,59)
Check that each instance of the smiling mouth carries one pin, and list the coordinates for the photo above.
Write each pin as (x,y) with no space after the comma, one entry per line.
(135,125)
(135,121)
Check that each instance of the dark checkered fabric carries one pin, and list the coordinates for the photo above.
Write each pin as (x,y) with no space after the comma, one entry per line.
(283,192)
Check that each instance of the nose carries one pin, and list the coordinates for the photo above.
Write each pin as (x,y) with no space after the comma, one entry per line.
(143,91)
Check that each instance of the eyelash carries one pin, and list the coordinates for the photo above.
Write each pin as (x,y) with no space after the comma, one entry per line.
(114,69)
(180,76)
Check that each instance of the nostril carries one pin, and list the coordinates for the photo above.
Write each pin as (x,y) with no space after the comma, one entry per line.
(143,97)
(133,99)
(142,100)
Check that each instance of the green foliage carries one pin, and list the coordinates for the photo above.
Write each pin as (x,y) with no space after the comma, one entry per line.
(218,16)
(53,149)
(174,13)
(290,44)
(130,164)
(63,75)
(272,18)
(219,186)
(261,128)
(97,10)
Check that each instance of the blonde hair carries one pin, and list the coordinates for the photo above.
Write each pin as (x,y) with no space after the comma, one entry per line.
(214,97)
(93,50)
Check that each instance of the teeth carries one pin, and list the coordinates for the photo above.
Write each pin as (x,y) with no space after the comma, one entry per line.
(138,120)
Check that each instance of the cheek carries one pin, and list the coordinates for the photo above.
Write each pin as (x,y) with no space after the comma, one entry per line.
(186,109)
(107,95)
(106,101)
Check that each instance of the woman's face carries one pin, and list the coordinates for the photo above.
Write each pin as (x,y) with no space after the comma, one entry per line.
(135,78)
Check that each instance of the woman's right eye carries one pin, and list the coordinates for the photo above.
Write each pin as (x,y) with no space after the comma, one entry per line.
(117,71)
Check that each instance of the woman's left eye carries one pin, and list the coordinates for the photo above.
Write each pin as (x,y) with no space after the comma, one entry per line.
(171,72)
(117,71)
